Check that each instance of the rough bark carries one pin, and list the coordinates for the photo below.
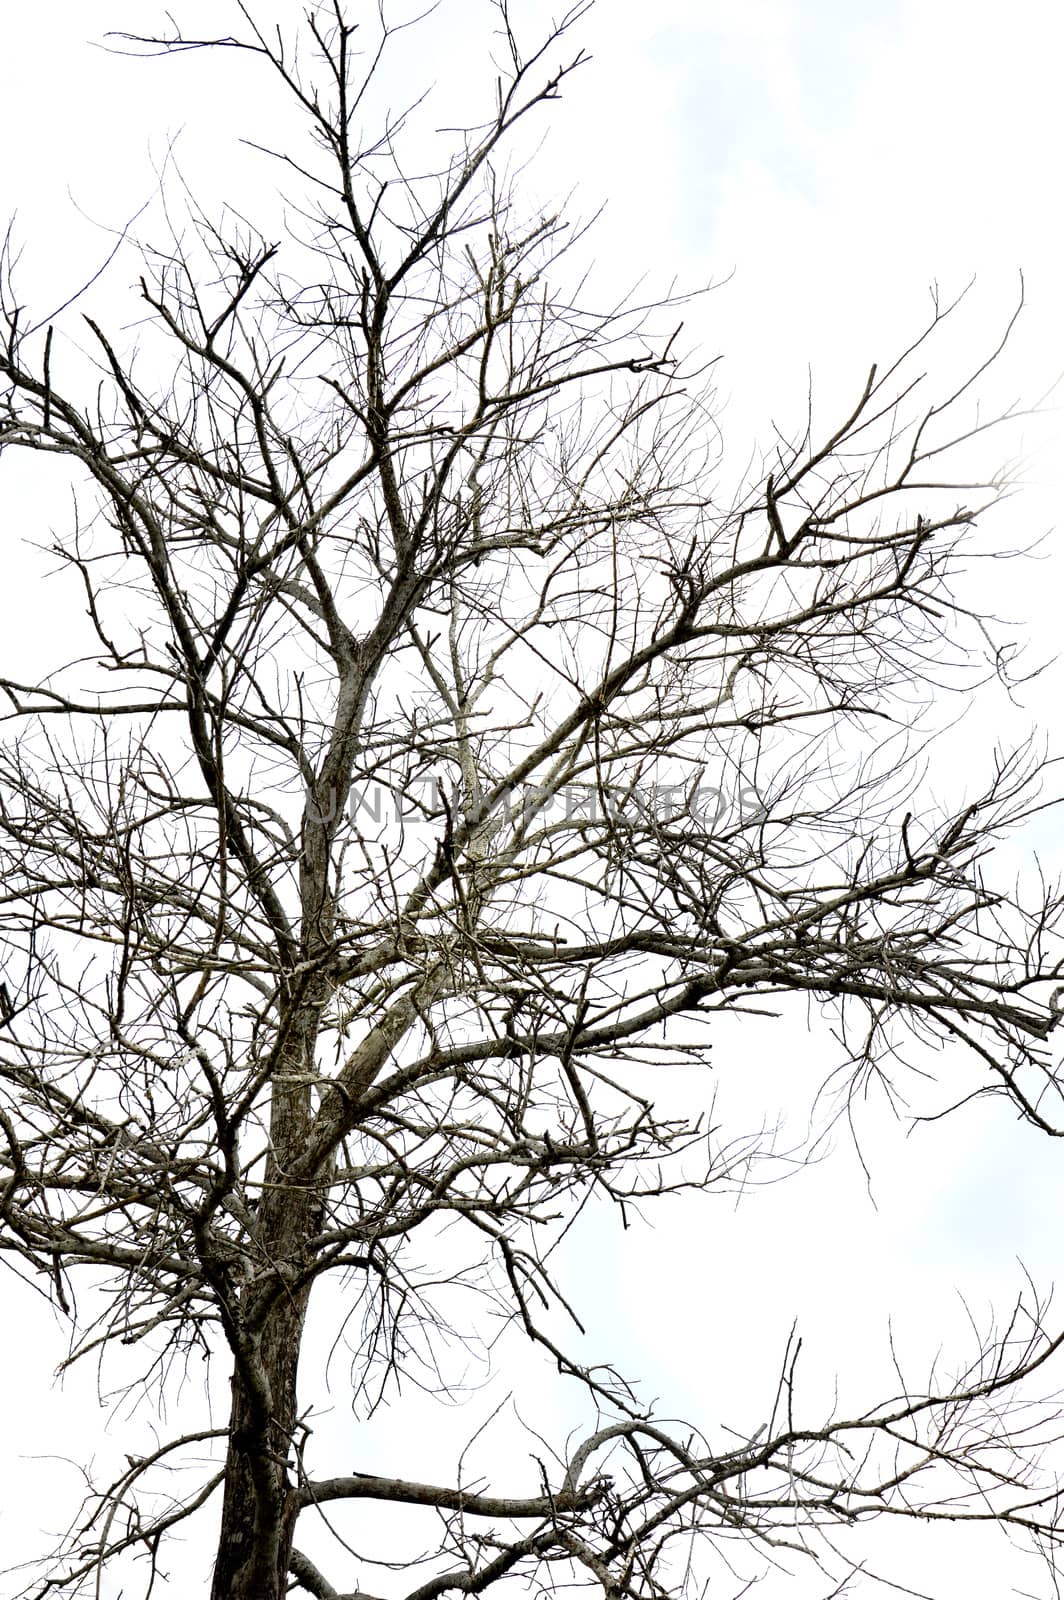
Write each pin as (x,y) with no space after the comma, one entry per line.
(259,1506)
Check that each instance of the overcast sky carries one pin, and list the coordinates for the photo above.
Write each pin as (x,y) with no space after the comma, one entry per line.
(824,163)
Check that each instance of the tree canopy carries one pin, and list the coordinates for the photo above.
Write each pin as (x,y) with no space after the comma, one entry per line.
(451,758)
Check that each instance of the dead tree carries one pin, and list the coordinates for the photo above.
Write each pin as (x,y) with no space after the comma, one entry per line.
(448,759)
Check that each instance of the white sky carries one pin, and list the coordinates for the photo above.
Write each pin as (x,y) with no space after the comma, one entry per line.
(829,160)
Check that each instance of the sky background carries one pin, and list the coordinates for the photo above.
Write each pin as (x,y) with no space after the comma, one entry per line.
(824,164)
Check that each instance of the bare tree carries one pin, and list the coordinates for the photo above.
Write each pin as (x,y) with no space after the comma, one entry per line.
(449,759)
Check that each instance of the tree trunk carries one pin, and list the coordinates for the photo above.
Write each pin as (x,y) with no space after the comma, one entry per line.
(258,1522)
(258,1508)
